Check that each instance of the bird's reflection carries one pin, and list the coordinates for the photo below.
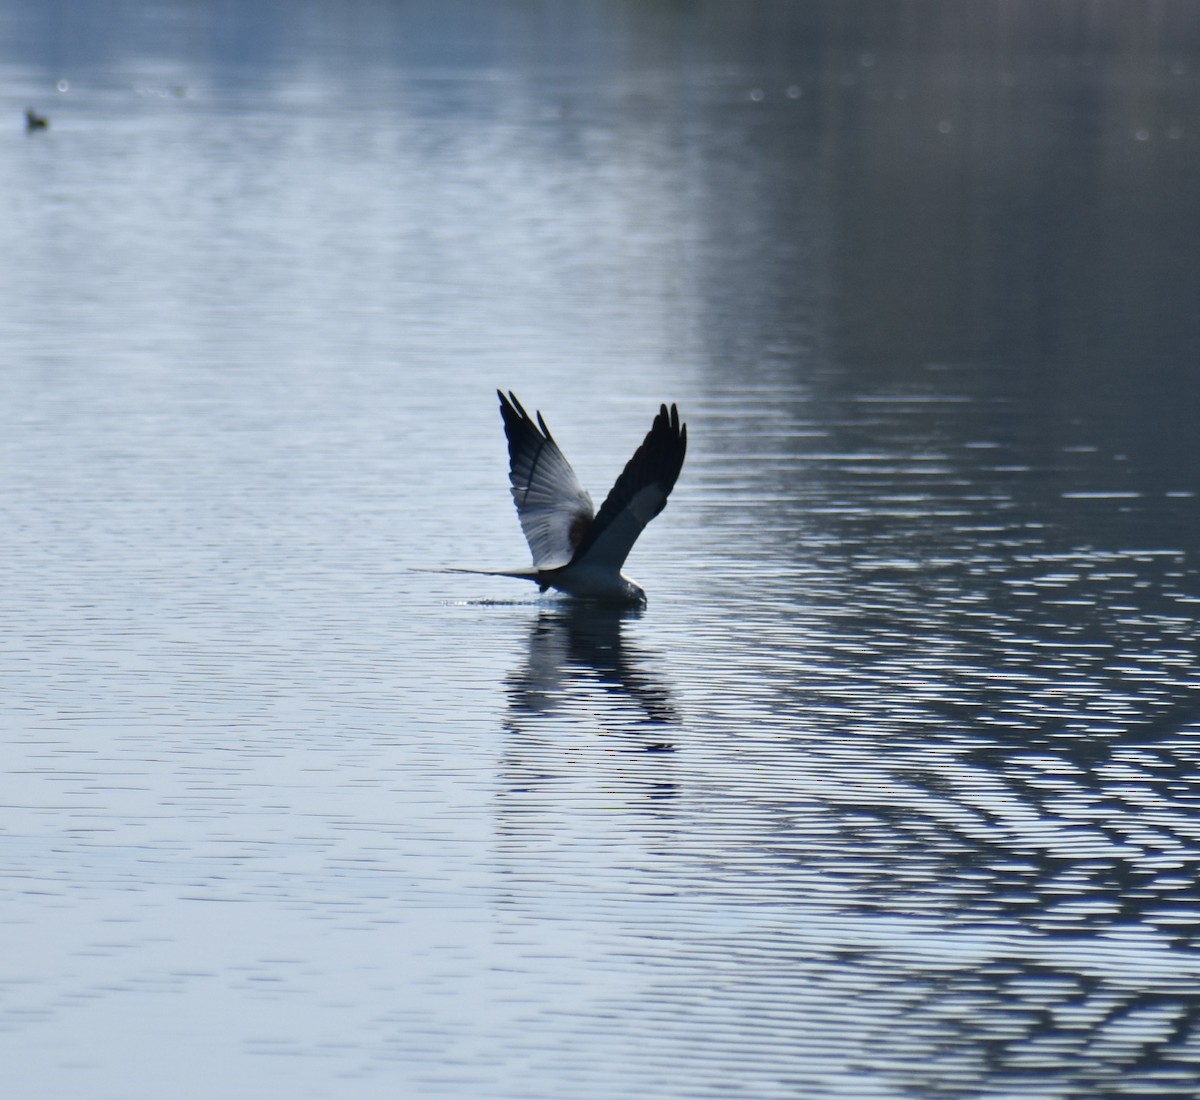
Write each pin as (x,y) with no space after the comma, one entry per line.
(589,758)
(586,702)
(573,645)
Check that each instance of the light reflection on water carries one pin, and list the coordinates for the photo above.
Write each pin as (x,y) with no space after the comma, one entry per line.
(887,792)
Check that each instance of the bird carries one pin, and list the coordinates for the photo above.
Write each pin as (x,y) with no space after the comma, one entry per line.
(34,121)
(577,550)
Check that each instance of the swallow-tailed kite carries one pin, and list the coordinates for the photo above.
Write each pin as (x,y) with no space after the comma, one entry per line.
(576,549)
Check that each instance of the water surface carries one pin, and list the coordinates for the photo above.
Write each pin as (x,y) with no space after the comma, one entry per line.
(889,791)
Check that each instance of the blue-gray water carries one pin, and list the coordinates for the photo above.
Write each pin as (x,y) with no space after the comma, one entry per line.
(891,790)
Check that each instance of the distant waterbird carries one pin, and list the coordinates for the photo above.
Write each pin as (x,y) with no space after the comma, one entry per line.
(576,549)
(34,121)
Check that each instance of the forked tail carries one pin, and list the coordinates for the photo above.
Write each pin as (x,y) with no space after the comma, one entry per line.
(519,574)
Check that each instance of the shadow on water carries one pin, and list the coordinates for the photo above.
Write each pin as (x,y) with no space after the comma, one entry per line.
(591,730)
(578,657)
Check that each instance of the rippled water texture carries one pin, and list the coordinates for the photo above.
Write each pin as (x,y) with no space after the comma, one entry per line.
(891,789)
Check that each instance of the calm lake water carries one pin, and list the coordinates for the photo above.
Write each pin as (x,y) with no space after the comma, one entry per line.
(890,792)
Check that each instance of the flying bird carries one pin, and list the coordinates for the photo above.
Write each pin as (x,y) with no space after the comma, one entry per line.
(576,549)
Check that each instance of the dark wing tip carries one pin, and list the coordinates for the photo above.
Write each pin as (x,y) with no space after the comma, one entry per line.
(514,414)
(660,458)
(515,417)
(673,430)
(668,420)
(509,403)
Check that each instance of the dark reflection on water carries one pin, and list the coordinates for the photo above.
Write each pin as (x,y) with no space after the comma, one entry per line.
(575,649)
(969,620)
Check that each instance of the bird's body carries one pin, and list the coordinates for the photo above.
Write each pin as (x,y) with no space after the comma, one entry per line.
(575,549)
(594,581)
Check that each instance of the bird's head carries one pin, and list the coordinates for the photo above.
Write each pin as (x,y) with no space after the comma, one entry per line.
(632,593)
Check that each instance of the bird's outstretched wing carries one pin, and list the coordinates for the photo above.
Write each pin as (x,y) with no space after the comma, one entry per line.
(554,509)
(639,494)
